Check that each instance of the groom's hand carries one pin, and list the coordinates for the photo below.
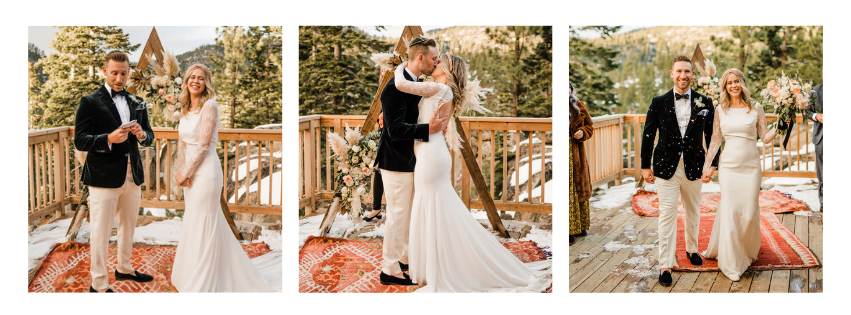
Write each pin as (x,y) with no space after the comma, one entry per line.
(707,175)
(136,129)
(436,125)
(648,175)
(381,120)
(118,135)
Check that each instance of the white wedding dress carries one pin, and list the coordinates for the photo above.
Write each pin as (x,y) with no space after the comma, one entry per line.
(208,258)
(448,250)
(736,238)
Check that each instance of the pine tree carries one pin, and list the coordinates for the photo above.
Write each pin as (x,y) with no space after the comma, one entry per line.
(74,70)
(539,67)
(588,65)
(232,61)
(34,96)
(335,73)
(261,83)
(508,70)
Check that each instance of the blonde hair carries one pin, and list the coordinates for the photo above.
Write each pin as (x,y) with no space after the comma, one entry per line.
(456,76)
(724,99)
(207,94)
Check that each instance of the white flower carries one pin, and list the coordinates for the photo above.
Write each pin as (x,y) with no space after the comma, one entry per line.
(355,159)
(366,160)
(361,190)
(344,190)
(178,81)
(170,107)
(372,144)
(356,148)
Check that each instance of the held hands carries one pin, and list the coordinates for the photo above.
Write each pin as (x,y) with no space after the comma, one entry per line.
(707,175)
(578,134)
(436,124)
(648,175)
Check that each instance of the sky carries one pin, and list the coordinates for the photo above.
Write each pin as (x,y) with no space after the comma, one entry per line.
(176,39)
(624,29)
(395,31)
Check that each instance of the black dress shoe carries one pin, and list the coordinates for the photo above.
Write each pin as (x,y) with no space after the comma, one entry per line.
(666,279)
(572,239)
(92,290)
(403,266)
(386,279)
(695,259)
(584,233)
(368,219)
(137,276)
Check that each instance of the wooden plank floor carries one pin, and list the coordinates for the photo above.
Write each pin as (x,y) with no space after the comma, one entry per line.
(619,255)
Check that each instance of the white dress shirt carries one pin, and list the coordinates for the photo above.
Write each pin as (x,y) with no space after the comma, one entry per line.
(123,112)
(683,109)
(412,74)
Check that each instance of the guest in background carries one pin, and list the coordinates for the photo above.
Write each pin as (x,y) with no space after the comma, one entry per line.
(814,113)
(581,129)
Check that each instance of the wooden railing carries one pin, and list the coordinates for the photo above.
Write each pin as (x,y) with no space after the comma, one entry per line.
(615,150)
(488,136)
(54,173)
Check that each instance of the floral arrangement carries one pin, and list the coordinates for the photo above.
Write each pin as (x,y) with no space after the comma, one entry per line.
(706,83)
(162,87)
(354,154)
(387,61)
(787,96)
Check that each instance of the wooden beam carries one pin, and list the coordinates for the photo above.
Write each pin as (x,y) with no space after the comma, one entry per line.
(479,180)
(152,46)
(697,56)
(228,217)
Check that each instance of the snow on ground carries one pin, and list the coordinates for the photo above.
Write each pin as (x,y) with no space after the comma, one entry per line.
(537,193)
(166,232)
(525,142)
(806,193)
(264,195)
(536,157)
(310,226)
(524,171)
(157,212)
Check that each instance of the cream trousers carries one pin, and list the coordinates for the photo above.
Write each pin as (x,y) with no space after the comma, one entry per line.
(107,204)
(399,193)
(669,195)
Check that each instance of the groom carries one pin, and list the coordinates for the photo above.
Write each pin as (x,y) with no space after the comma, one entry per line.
(683,119)
(113,170)
(396,160)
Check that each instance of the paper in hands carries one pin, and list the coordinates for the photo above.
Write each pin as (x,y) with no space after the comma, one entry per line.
(128,124)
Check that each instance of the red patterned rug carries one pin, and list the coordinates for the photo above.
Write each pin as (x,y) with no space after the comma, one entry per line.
(646,203)
(66,268)
(337,265)
(780,248)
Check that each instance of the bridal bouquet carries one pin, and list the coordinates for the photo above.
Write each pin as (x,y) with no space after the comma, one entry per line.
(787,96)
(387,61)
(354,155)
(162,87)
(705,82)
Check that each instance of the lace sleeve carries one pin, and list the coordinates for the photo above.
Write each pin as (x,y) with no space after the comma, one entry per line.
(424,89)
(762,127)
(715,144)
(209,121)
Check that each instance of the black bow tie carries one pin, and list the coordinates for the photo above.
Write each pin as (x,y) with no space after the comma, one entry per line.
(113,93)
(679,96)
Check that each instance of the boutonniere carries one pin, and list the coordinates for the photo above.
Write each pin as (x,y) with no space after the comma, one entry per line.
(699,102)
(134,98)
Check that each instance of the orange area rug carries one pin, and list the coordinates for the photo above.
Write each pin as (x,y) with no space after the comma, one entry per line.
(66,268)
(336,265)
(779,249)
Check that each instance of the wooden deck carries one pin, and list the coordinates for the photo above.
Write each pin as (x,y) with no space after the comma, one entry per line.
(594,269)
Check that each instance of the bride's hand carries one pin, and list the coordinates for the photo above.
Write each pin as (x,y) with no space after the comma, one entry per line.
(404,64)
(707,175)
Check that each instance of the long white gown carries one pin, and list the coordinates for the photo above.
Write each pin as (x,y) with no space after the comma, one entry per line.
(448,250)
(208,258)
(736,238)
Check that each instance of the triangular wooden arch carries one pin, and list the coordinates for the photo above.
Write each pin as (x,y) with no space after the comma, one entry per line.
(155,47)
(697,56)
(409,33)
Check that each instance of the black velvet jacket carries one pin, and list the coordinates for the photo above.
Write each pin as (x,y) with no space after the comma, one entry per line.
(662,118)
(96,118)
(396,145)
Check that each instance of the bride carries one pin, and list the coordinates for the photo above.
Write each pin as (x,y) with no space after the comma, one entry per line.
(448,249)
(208,258)
(736,238)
